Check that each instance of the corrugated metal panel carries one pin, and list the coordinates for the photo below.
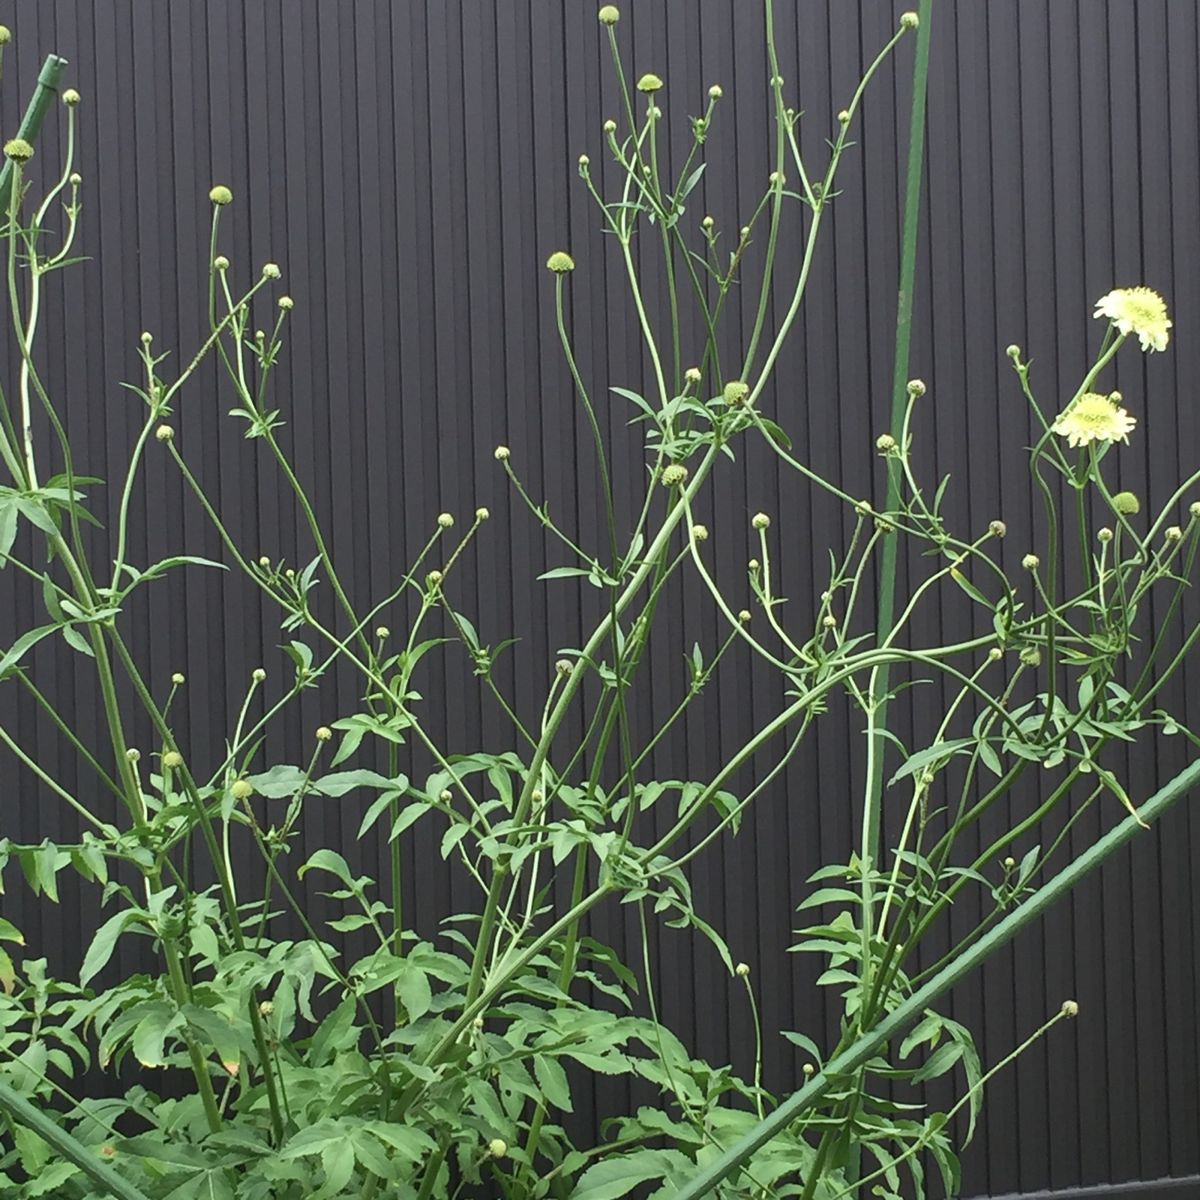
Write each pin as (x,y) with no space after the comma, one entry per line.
(410,165)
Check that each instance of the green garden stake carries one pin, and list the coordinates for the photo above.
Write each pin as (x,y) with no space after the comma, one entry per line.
(49,78)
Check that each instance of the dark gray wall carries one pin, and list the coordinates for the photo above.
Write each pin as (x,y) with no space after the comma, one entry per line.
(410,166)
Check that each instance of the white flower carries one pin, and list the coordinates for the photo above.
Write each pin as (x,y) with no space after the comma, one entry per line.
(1094,418)
(1137,310)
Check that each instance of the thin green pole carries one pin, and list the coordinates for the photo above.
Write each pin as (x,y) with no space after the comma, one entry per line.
(49,78)
(861,1051)
(84,1157)
(908,268)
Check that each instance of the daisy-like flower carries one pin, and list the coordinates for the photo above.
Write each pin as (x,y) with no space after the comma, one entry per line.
(1094,418)
(1137,310)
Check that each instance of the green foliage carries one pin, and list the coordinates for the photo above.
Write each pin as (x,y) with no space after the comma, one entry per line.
(351,1055)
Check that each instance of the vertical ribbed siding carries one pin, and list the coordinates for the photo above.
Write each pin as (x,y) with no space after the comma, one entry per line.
(410,166)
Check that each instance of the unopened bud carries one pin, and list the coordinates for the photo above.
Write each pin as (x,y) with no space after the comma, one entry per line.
(1070,1008)
(220,195)
(675,475)
(760,521)
(172,760)
(564,667)
(164,433)
(324,733)
(915,387)
(909,20)
(1031,562)
(445,520)
(997,529)
(1104,535)
(741,970)
(1172,533)
(501,453)
(242,789)
(258,675)
(735,392)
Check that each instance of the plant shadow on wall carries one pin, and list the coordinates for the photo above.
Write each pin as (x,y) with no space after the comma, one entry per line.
(445,1066)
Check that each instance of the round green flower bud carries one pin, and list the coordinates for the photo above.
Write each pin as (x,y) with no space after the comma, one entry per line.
(997,529)
(915,387)
(1013,352)
(741,970)
(5,35)
(271,271)
(164,433)
(1070,1008)
(482,514)
(178,679)
(1104,535)
(564,667)
(1031,562)
(382,632)
(133,755)
(610,14)
(760,521)
(286,303)
(1127,504)
(995,654)
(844,117)
(735,392)
(18,149)
(1173,533)
(75,179)
(1194,508)
(675,475)
(324,733)
(909,20)
(497,1147)
(885,443)
(715,92)
(172,760)
(242,789)
(649,84)
(220,194)
(433,578)
(1031,656)
(501,453)
(560,262)
(744,616)
(445,521)
(258,675)
(610,126)
(221,263)
(692,375)
(71,97)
